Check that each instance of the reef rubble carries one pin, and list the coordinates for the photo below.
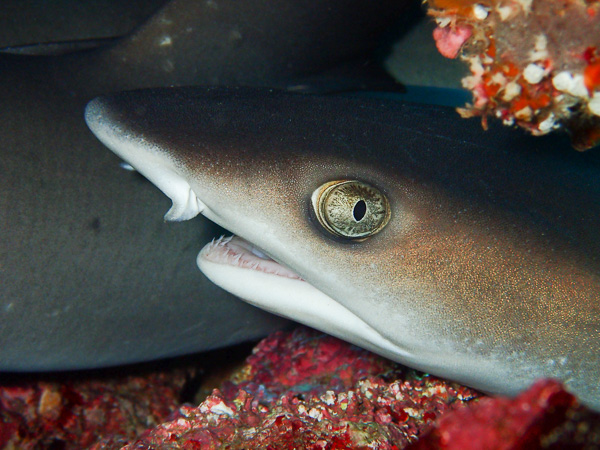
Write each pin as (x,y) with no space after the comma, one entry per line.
(298,389)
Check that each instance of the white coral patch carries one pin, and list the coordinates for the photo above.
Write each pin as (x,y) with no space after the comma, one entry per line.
(498,78)
(476,67)
(546,125)
(505,12)
(525,5)
(480,12)
(571,84)
(316,414)
(329,398)
(511,90)
(524,114)
(540,51)
(594,104)
(443,22)
(533,73)
(221,409)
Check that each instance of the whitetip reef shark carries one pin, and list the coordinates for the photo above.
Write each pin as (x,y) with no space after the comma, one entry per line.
(89,275)
(399,227)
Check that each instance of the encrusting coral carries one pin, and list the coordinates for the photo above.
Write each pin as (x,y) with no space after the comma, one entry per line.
(533,63)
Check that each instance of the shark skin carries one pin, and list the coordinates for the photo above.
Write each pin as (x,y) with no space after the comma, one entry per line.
(89,275)
(487,272)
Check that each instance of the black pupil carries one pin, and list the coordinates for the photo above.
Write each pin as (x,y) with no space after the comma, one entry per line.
(360,209)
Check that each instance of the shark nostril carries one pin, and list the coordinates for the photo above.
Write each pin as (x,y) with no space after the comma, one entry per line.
(360,209)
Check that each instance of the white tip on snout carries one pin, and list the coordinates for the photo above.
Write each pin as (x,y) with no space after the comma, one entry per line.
(152,162)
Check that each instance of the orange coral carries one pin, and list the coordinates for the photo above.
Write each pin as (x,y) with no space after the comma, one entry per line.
(533,64)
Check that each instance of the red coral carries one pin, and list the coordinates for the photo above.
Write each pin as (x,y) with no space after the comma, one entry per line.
(545,416)
(297,390)
(315,392)
(75,412)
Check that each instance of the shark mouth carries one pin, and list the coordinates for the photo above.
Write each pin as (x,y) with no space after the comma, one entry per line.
(239,267)
(238,252)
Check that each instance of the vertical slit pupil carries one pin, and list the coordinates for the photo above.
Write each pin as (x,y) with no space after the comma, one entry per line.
(360,209)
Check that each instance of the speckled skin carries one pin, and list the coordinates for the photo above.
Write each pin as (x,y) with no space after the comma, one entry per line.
(487,271)
(89,274)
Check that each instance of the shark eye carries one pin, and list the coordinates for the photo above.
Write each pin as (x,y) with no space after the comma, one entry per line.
(350,208)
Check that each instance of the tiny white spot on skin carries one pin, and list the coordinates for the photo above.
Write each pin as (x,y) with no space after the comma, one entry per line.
(235,35)
(594,104)
(480,12)
(533,73)
(127,166)
(571,84)
(165,41)
(8,307)
(168,65)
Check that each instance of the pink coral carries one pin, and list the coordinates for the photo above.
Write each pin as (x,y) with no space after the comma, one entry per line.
(450,40)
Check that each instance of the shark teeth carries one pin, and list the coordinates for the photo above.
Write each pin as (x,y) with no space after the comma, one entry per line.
(235,251)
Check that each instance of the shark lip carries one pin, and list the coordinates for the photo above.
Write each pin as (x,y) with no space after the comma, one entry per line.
(238,252)
(246,271)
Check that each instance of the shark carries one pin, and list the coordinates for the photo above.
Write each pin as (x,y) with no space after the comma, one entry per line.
(399,227)
(89,275)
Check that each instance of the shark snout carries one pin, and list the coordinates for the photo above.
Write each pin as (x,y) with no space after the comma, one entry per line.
(145,157)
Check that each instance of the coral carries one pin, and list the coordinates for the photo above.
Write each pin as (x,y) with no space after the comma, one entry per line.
(309,390)
(534,63)
(299,389)
(73,412)
(545,416)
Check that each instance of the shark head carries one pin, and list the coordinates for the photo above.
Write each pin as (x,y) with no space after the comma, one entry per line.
(278,235)
(385,224)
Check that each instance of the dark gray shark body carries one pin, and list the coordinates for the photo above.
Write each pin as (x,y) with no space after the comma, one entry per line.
(487,271)
(89,274)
